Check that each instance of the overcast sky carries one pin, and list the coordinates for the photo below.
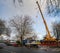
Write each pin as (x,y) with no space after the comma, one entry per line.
(29,7)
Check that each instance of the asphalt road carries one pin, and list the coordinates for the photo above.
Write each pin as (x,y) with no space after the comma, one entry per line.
(11,49)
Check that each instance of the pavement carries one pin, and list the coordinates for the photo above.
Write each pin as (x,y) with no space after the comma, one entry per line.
(11,49)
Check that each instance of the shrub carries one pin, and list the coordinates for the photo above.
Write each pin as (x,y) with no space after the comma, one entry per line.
(18,42)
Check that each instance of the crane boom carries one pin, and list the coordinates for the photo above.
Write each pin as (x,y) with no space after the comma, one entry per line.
(48,33)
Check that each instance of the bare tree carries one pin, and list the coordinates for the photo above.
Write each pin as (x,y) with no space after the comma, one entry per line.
(8,31)
(56,30)
(23,25)
(3,28)
(53,6)
(19,2)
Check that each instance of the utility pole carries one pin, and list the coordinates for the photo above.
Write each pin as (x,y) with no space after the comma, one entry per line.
(48,33)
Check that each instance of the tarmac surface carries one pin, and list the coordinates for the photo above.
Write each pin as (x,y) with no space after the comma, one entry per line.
(11,49)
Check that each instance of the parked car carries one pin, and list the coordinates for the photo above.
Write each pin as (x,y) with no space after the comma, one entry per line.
(2,45)
(14,44)
(33,44)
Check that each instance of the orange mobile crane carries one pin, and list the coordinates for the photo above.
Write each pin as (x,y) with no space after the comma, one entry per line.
(48,36)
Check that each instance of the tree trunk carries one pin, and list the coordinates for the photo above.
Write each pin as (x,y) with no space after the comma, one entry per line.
(21,40)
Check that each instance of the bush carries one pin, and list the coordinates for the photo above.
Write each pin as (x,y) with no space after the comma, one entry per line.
(18,42)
